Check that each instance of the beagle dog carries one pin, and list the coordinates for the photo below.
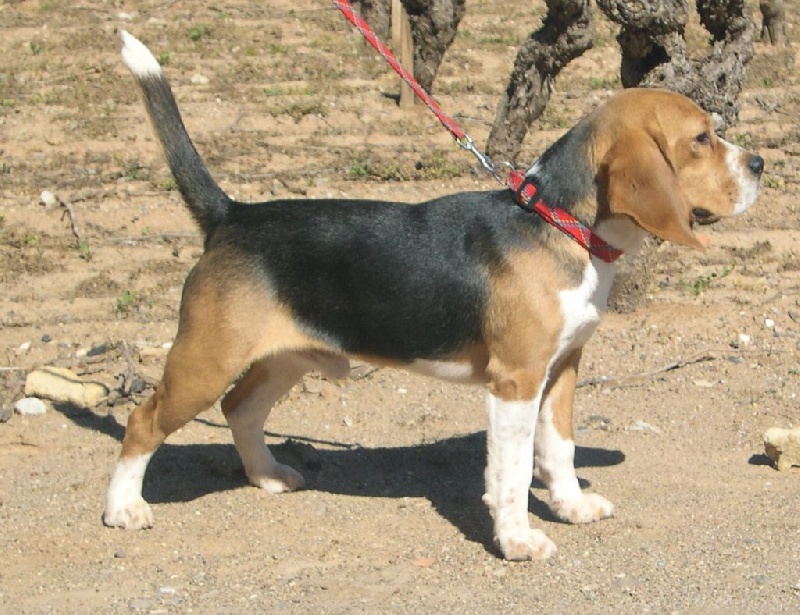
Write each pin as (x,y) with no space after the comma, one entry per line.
(468,288)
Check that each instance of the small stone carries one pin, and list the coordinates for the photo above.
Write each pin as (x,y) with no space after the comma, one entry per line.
(47,338)
(48,199)
(744,338)
(312,386)
(96,351)
(138,385)
(199,80)
(641,425)
(705,384)
(783,447)
(5,414)
(153,351)
(769,323)
(23,348)
(30,406)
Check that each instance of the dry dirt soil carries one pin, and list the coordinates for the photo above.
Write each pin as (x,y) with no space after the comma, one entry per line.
(284,99)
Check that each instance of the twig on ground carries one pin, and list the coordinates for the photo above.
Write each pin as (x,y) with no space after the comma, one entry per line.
(595,380)
(153,237)
(49,199)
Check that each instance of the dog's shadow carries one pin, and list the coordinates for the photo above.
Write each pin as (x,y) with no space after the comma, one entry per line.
(447,472)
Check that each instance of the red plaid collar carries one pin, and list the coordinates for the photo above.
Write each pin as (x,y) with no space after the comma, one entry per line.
(525,191)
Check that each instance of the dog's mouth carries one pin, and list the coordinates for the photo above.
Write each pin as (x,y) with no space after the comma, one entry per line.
(703,216)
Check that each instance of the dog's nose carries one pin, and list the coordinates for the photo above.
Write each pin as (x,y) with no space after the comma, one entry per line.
(756,164)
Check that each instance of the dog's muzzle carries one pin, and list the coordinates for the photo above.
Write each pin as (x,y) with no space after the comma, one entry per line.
(703,216)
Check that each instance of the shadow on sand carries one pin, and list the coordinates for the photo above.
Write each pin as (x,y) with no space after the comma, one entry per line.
(448,472)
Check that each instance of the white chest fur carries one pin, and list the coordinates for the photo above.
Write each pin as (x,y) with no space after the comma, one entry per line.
(583,305)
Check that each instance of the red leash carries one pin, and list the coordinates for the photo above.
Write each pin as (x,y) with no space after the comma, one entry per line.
(517,181)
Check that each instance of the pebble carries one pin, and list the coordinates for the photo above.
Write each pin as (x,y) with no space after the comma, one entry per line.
(48,199)
(5,414)
(744,338)
(30,406)
(199,80)
(642,426)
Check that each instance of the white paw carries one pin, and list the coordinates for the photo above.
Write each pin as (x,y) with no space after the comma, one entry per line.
(530,544)
(136,515)
(587,508)
(279,479)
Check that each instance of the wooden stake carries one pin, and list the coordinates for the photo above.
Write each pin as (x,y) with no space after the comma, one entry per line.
(404,47)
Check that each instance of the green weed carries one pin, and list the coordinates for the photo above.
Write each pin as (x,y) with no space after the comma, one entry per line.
(702,282)
(125,302)
(197,32)
(86,252)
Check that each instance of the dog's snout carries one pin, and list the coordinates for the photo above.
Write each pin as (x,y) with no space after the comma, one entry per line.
(703,216)
(756,164)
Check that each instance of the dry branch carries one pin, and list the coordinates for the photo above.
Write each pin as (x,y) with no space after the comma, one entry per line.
(595,380)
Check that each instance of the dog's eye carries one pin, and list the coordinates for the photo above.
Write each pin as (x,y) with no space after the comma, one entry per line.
(704,138)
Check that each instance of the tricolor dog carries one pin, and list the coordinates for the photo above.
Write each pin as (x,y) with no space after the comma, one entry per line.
(469,288)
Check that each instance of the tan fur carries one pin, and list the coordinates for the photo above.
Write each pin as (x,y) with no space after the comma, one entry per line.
(523,324)
(660,128)
(561,392)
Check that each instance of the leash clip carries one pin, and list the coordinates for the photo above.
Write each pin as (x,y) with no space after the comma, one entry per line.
(468,144)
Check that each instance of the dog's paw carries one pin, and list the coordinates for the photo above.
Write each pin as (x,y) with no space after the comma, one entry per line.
(531,544)
(135,515)
(587,508)
(280,479)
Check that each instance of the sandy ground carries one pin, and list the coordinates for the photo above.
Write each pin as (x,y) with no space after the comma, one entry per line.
(285,100)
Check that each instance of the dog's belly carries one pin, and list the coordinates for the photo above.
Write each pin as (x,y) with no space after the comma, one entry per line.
(451,371)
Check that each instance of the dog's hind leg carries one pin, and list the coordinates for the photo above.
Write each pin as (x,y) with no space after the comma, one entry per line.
(246,408)
(186,389)
(209,352)
(248,404)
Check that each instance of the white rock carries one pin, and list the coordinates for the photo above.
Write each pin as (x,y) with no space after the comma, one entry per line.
(48,199)
(30,406)
(63,385)
(199,79)
(769,323)
(783,447)
(744,338)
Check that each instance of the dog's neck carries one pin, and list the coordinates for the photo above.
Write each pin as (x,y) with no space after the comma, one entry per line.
(622,233)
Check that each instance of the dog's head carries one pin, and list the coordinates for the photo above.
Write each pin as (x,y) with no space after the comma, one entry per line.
(660,162)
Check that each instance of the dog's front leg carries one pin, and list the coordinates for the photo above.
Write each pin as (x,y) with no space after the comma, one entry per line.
(555,449)
(509,470)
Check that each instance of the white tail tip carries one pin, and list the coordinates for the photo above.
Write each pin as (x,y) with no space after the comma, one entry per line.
(137,57)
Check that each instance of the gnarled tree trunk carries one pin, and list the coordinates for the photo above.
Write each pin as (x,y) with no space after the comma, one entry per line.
(566,33)
(773,26)
(377,14)
(654,50)
(434,24)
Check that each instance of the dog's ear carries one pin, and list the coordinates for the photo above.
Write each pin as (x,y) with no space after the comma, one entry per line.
(637,180)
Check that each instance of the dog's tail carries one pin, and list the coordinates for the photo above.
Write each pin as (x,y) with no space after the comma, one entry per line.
(207,202)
